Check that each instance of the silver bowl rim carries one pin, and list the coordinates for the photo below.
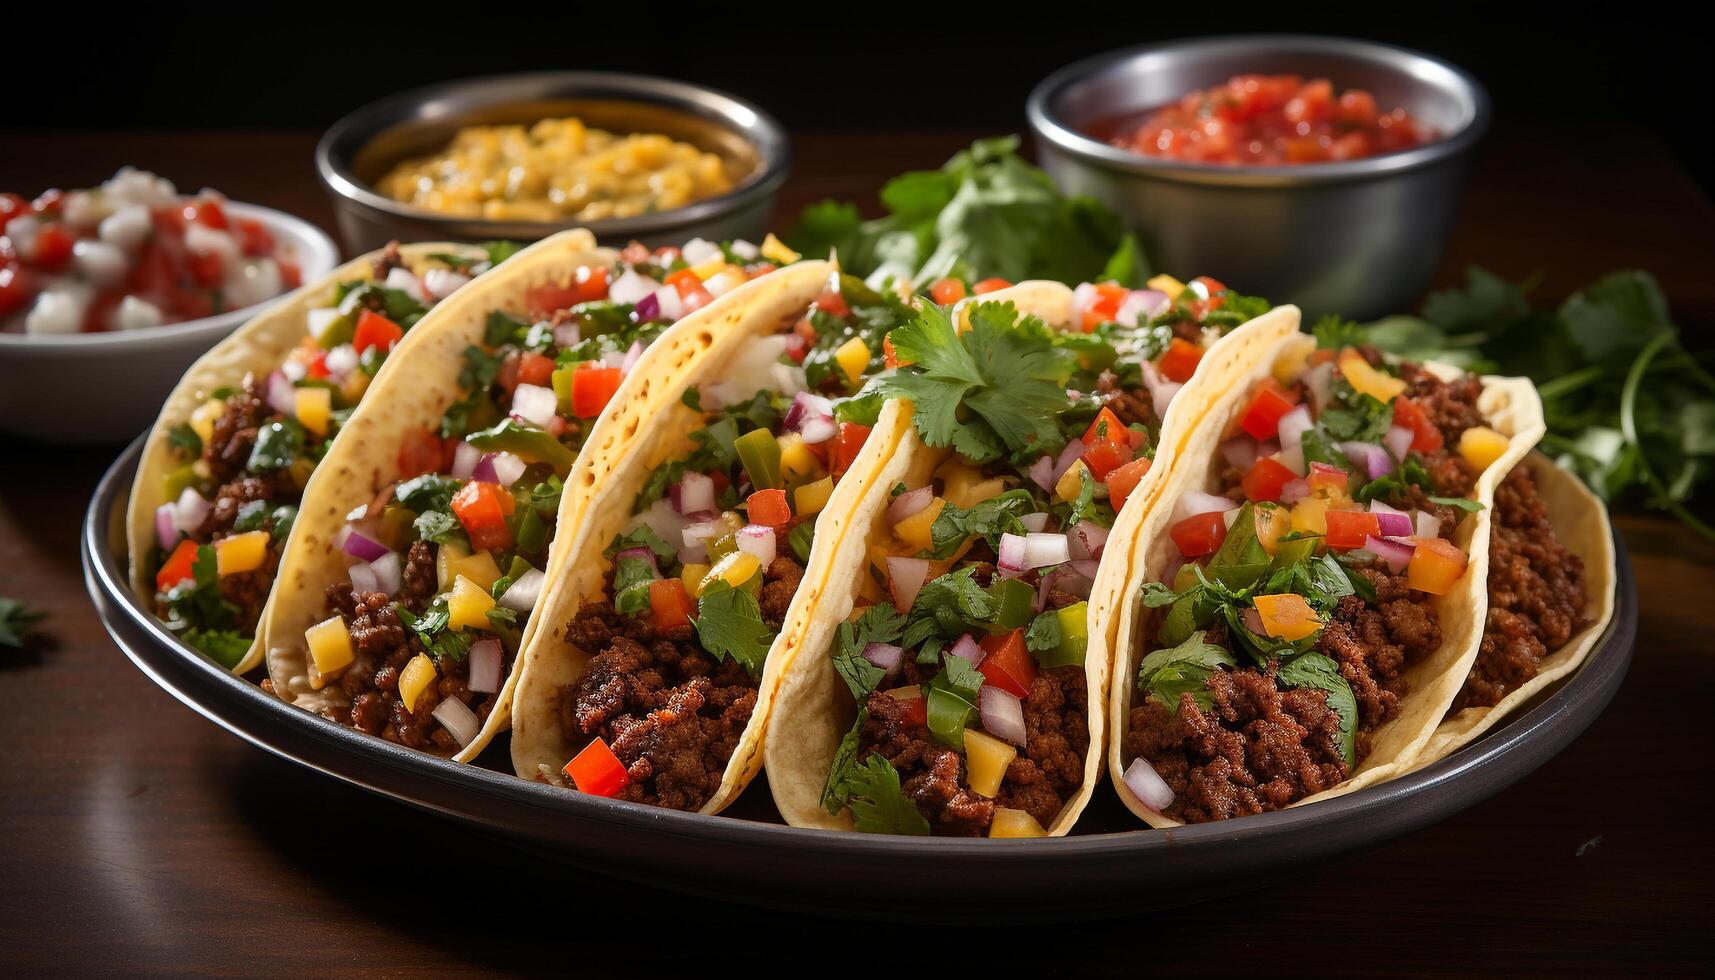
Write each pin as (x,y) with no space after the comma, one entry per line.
(1039,109)
(750,121)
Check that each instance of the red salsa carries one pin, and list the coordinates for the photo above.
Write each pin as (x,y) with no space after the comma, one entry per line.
(1268,120)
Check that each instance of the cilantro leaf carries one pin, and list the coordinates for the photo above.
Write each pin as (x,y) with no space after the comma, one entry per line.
(880,623)
(878,804)
(1314,670)
(16,618)
(224,647)
(729,624)
(1170,672)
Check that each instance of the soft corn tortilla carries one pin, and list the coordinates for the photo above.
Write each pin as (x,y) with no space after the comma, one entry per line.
(814,709)
(258,347)
(1511,407)
(1581,523)
(412,391)
(612,471)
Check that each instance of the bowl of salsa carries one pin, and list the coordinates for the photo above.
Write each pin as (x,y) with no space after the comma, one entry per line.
(1324,171)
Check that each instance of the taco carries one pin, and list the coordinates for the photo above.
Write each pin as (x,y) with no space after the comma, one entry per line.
(946,685)
(224,468)
(700,561)
(1307,598)
(425,536)
(1550,595)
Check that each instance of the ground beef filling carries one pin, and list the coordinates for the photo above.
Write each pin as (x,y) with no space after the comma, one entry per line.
(672,713)
(1536,595)
(1258,748)
(384,646)
(1047,771)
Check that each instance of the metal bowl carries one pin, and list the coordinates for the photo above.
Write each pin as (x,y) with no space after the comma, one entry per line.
(363,146)
(1360,237)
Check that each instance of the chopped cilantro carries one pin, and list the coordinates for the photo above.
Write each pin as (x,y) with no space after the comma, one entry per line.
(729,624)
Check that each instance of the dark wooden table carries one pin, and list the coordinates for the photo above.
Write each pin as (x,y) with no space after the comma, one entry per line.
(136,837)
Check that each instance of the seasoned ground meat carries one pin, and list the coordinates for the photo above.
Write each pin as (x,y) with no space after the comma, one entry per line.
(1045,774)
(231,497)
(249,590)
(387,261)
(234,433)
(1452,408)
(1536,595)
(420,579)
(670,712)
(1131,407)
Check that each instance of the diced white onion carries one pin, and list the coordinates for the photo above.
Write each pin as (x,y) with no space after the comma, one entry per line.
(507,468)
(485,657)
(535,404)
(905,577)
(127,227)
(441,283)
(1002,714)
(316,321)
(1147,785)
(341,360)
(389,573)
(458,720)
(100,262)
(1042,550)
(1034,522)
(696,493)
(363,579)
(631,287)
(203,240)
(57,311)
(136,313)
(1194,502)
(1293,425)
(252,281)
(403,280)
(521,595)
(1428,525)
(757,541)
(192,510)
(668,302)
(465,457)
(697,251)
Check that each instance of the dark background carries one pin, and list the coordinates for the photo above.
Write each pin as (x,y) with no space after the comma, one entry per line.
(879,66)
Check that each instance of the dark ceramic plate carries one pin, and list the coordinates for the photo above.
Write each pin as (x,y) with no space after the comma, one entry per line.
(1110,866)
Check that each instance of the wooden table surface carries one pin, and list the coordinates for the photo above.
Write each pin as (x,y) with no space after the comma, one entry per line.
(135,836)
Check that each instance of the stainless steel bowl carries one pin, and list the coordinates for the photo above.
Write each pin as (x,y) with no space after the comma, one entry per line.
(360,148)
(1360,237)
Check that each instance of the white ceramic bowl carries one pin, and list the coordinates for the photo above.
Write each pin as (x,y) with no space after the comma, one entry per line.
(94,388)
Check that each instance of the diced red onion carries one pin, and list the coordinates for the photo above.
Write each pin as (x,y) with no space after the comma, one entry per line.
(1398,441)
(1034,522)
(1071,454)
(1002,714)
(1393,523)
(1011,552)
(166,525)
(1087,567)
(1042,550)
(282,396)
(905,578)
(1170,574)
(535,404)
(1142,302)
(758,541)
(631,287)
(696,538)
(1320,381)
(908,503)
(483,471)
(521,595)
(1194,502)
(1042,471)
(796,346)
(193,510)
(643,555)
(1294,491)
(362,547)
(458,720)
(696,493)
(362,579)
(967,647)
(632,355)
(1373,458)
(806,406)
(663,520)
(389,573)
(465,458)
(819,429)
(1397,554)
(1147,785)
(485,657)
(1239,452)
(1087,540)
(1066,578)
(1253,621)
(1293,425)
(1428,525)
(884,655)
(648,308)
(567,335)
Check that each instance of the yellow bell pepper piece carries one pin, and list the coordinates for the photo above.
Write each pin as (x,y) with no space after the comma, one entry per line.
(468,606)
(853,357)
(351,389)
(1071,482)
(329,644)
(1481,446)
(202,420)
(812,497)
(447,557)
(1272,523)
(735,569)
(241,552)
(1014,823)
(314,408)
(417,675)
(1310,516)
(1287,616)
(964,486)
(692,576)
(1289,366)
(1382,387)
(479,568)
(914,530)
(709,267)
(774,250)
(796,459)
(1435,566)
(1167,284)
(986,759)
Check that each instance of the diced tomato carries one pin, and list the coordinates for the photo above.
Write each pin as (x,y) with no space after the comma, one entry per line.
(1008,665)
(1200,535)
(587,285)
(1211,285)
(769,508)
(421,452)
(807,330)
(916,709)
(1106,305)
(1347,529)
(15,289)
(1122,481)
(177,567)
(49,201)
(100,311)
(947,291)
(669,604)
(682,280)
(53,246)
(536,369)
(207,268)
(11,205)
(990,286)
(593,386)
(1180,360)
(720,480)
(208,212)
(482,509)
(694,298)
(1327,480)
(190,304)
(1106,456)
(1261,418)
(597,771)
(1425,436)
(1106,427)
(1436,564)
(847,445)
(375,330)
(253,237)
(318,366)
(833,304)
(1266,478)
(889,356)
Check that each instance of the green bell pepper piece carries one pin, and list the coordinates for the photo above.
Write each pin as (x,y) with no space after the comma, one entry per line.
(527,442)
(759,451)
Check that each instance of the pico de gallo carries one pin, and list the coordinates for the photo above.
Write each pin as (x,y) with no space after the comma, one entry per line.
(1269,120)
(130,254)
(1302,592)
(446,565)
(244,455)
(702,578)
